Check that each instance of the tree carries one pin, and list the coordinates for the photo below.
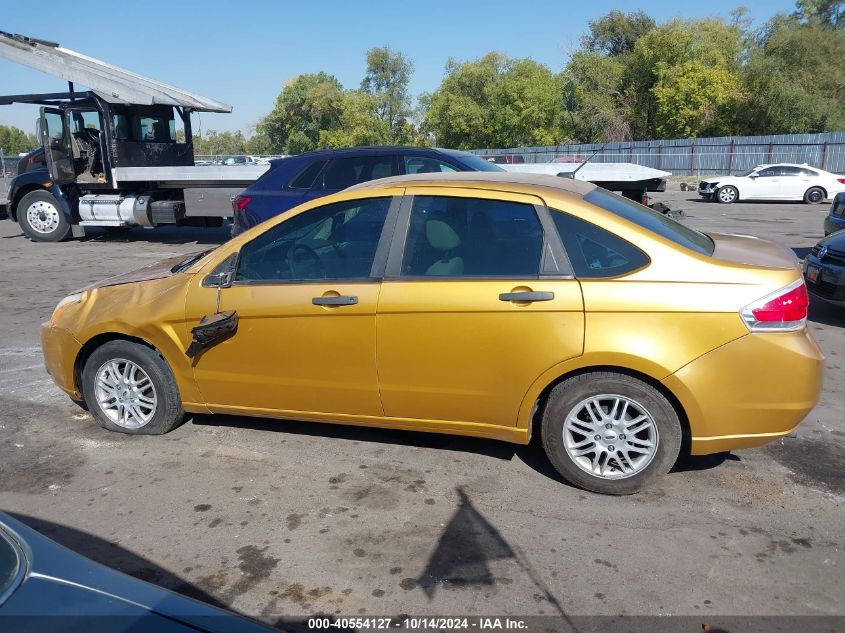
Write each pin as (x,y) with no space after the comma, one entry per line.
(656,66)
(219,143)
(795,79)
(307,105)
(495,101)
(828,14)
(594,98)
(616,33)
(14,141)
(386,82)
(360,123)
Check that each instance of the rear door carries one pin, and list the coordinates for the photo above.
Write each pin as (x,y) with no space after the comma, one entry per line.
(474,306)
(55,139)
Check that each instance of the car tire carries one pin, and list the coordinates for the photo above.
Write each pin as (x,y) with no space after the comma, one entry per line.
(41,217)
(814,195)
(726,195)
(154,405)
(566,436)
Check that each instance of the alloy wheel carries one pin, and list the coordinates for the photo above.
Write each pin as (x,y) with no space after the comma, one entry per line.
(610,436)
(125,393)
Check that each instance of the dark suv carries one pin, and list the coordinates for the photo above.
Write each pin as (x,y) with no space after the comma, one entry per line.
(296,179)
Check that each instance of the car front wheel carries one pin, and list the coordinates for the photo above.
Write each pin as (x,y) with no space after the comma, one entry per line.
(727,194)
(610,433)
(129,388)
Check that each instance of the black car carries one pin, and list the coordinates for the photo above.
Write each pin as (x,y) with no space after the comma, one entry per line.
(296,179)
(45,587)
(824,269)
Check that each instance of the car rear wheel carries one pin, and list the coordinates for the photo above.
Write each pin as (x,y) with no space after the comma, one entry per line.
(610,433)
(41,219)
(727,194)
(814,195)
(129,388)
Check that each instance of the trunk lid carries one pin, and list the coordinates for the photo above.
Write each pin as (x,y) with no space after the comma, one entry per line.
(753,251)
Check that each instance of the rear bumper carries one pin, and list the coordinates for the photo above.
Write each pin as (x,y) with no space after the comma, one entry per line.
(60,350)
(750,391)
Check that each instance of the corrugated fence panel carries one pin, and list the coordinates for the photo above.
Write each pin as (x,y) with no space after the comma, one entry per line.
(697,157)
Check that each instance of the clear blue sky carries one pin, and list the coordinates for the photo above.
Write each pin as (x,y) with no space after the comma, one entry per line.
(241,52)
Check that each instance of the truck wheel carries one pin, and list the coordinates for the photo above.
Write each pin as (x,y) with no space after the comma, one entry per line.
(41,219)
(129,388)
(610,433)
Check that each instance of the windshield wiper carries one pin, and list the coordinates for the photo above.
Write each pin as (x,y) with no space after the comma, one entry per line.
(184,265)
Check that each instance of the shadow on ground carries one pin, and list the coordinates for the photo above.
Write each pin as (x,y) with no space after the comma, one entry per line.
(116,557)
(531,455)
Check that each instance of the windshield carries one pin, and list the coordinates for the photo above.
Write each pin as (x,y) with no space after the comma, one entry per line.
(9,565)
(473,161)
(652,220)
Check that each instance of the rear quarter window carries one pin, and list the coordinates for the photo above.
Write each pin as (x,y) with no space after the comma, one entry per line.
(595,252)
(651,220)
(306,177)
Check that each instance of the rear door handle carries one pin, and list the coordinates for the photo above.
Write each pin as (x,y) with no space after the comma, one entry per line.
(526,296)
(343,300)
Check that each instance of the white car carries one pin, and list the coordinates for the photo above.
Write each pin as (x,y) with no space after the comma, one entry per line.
(783,181)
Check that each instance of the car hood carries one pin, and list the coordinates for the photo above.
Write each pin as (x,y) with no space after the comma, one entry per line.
(755,251)
(158,270)
(60,584)
(725,180)
(836,241)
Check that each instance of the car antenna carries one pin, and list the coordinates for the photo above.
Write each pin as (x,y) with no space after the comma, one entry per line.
(589,158)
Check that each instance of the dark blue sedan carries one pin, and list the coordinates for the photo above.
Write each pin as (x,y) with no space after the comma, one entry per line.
(297,179)
(835,220)
(47,588)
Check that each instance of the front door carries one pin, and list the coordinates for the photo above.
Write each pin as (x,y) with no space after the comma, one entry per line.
(55,140)
(468,317)
(305,292)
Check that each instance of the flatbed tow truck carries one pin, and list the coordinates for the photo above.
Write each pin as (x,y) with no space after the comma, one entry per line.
(110,156)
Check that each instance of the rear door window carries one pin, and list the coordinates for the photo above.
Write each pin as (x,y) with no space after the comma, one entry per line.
(345,172)
(593,251)
(425,165)
(469,237)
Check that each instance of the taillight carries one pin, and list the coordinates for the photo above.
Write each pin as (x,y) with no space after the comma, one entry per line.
(782,311)
(841,181)
(239,203)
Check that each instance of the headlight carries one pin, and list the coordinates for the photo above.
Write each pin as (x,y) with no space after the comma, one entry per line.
(65,303)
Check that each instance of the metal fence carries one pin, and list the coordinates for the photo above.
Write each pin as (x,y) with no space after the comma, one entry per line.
(696,157)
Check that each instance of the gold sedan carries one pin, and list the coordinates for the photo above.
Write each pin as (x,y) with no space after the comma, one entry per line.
(483,304)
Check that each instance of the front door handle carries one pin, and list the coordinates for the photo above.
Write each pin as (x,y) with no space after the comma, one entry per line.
(526,297)
(342,300)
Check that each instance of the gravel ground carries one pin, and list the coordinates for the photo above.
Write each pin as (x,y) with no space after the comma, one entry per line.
(278,520)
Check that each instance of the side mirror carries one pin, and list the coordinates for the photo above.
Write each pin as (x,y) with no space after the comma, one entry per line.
(212,329)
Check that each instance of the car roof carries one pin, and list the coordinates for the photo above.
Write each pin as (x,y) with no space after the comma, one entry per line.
(569,185)
(369,149)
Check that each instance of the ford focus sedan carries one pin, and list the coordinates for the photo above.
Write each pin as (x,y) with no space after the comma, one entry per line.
(493,305)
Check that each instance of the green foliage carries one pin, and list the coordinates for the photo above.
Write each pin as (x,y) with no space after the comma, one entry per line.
(386,82)
(828,14)
(796,80)
(617,32)
(495,101)
(220,143)
(308,105)
(14,141)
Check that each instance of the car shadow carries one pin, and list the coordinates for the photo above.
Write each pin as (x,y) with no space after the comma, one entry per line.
(160,235)
(532,455)
(113,556)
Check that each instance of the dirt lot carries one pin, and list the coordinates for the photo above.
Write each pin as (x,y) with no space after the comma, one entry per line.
(279,520)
